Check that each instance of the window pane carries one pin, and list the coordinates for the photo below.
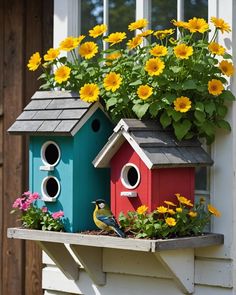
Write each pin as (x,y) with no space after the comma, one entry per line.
(91,14)
(121,14)
(201,178)
(162,13)
(197,8)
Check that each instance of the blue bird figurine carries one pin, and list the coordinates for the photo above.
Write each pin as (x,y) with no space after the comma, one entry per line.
(104,219)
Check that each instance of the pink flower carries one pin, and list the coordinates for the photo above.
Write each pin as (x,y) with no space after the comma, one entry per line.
(44,209)
(57,215)
(17,203)
(25,206)
(28,193)
(34,196)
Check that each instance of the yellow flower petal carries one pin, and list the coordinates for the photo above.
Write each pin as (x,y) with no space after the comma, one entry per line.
(139,24)
(51,54)
(115,38)
(158,50)
(197,25)
(142,209)
(226,68)
(216,48)
(34,61)
(154,66)
(88,50)
(112,81)
(213,210)
(182,104)
(220,24)
(144,92)
(170,221)
(62,74)
(97,31)
(183,51)
(215,87)
(89,92)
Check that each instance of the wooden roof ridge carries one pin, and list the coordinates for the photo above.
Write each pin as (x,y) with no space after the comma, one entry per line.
(155,146)
(57,112)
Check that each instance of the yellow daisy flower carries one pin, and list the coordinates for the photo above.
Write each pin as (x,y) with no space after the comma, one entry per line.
(184,200)
(170,221)
(34,61)
(179,210)
(134,42)
(192,214)
(154,66)
(97,31)
(162,209)
(88,50)
(169,203)
(144,92)
(142,209)
(114,55)
(220,24)
(171,211)
(183,51)
(182,104)
(216,48)
(115,38)
(158,50)
(89,92)
(179,23)
(69,43)
(112,81)
(197,25)
(161,34)
(62,74)
(213,210)
(139,24)
(51,54)
(146,33)
(215,87)
(227,68)
(79,39)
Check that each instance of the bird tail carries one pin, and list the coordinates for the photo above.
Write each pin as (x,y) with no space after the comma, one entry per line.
(119,232)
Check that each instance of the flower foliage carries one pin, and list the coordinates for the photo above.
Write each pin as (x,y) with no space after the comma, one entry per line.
(170,220)
(182,83)
(33,217)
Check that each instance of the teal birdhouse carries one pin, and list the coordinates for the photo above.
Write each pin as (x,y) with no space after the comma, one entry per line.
(65,135)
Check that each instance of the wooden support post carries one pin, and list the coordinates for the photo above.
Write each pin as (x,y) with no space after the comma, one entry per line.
(91,259)
(180,263)
(62,258)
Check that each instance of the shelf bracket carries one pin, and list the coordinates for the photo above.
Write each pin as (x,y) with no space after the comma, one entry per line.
(62,258)
(91,258)
(180,263)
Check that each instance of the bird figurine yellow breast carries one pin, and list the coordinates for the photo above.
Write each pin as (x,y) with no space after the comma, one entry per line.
(104,219)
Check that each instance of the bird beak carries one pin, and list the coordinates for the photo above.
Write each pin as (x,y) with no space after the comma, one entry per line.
(93,202)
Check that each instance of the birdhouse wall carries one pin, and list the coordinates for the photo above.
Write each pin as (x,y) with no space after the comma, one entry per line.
(119,203)
(166,182)
(89,183)
(63,171)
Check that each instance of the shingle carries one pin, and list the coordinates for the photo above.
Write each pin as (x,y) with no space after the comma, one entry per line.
(54,94)
(67,104)
(66,126)
(38,104)
(25,126)
(26,115)
(49,126)
(47,115)
(72,114)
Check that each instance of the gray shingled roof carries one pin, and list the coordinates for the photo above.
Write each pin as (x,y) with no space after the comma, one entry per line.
(155,146)
(57,112)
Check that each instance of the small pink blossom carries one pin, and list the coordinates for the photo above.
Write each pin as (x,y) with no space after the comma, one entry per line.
(17,203)
(35,196)
(28,193)
(44,209)
(57,215)
(25,206)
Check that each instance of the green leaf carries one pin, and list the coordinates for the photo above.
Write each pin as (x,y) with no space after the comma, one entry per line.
(227,95)
(165,120)
(140,109)
(168,98)
(227,56)
(199,106)
(200,116)
(175,69)
(210,107)
(189,84)
(222,110)
(138,82)
(111,102)
(181,128)
(224,124)
(155,108)
(176,115)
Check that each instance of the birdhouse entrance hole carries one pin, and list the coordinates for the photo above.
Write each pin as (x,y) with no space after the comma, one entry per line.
(130,176)
(50,153)
(96,125)
(50,188)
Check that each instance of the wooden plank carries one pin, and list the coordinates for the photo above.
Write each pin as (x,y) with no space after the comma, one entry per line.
(62,258)
(116,242)
(14,63)
(92,260)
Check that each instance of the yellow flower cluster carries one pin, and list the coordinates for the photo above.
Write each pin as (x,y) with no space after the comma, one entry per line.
(165,78)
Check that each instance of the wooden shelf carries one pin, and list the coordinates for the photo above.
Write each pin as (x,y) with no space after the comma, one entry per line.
(172,253)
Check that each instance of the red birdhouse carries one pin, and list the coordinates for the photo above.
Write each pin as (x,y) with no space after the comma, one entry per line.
(148,165)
